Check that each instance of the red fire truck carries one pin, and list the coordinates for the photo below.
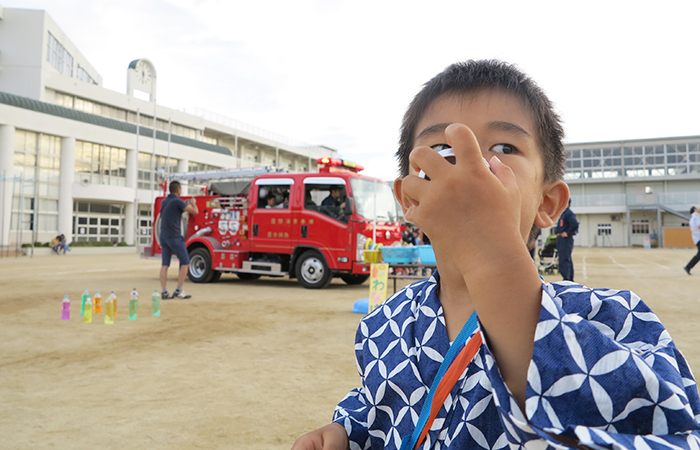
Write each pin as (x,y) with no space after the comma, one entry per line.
(264,221)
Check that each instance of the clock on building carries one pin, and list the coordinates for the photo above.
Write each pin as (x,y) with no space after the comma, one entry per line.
(141,76)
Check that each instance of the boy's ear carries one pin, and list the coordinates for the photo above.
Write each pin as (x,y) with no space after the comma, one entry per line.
(399,194)
(555,199)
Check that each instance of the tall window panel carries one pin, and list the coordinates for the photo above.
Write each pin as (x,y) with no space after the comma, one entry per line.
(99,164)
(145,179)
(37,160)
(59,57)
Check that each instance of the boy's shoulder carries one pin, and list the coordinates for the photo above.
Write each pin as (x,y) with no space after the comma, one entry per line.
(619,314)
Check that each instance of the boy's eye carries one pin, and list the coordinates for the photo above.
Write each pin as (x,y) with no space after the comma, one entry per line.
(505,149)
(439,147)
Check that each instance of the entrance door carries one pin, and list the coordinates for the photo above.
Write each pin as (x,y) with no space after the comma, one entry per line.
(98,222)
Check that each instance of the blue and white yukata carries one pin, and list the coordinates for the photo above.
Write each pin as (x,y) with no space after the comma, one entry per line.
(604,371)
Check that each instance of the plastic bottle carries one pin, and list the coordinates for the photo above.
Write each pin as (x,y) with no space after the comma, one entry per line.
(133,304)
(114,301)
(109,311)
(155,303)
(65,314)
(85,296)
(97,303)
(88,311)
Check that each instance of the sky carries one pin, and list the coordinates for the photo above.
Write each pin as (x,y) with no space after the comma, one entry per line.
(341,73)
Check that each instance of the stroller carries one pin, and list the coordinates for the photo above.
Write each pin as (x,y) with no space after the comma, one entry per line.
(549,260)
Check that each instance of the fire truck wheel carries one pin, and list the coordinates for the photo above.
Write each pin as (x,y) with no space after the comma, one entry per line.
(248,276)
(200,266)
(354,278)
(216,276)
(312,270)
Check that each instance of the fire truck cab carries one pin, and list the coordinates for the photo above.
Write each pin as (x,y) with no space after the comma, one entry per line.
(263,221)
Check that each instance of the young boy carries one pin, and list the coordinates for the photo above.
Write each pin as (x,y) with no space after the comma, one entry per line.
(551,365)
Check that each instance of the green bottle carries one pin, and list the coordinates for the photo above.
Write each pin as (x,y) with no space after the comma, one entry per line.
(155,303)
(133,304)
(85,296)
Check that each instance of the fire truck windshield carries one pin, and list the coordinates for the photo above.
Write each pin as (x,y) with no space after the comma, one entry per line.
(374,197)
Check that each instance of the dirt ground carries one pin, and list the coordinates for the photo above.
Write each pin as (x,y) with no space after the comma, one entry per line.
(242,365)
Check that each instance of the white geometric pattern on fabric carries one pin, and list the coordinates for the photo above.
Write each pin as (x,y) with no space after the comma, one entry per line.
(604,371)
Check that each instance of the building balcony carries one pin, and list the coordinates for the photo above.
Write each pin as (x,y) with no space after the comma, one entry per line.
(619,203)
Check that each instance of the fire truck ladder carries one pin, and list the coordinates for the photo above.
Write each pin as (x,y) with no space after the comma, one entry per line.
(221,174)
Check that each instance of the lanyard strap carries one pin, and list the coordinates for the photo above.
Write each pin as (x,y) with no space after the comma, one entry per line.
(457,359)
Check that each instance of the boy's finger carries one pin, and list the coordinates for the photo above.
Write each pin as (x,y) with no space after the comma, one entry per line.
(411,189)
(426,159)
(464,144)
(504,173)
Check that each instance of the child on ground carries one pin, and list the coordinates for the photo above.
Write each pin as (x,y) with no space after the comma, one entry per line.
(484,354)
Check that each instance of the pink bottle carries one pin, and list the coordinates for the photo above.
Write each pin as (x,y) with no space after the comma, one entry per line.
(65,314)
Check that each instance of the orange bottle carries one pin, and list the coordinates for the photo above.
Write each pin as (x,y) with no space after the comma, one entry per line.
(97,303)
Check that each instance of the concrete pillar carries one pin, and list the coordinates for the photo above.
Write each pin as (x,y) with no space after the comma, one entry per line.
(130,223)
(183,167)
(132,169)
(131,210)
(65,188)
(7,167)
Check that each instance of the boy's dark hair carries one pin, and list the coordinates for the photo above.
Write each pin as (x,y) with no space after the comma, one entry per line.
(174,187)
(473,76)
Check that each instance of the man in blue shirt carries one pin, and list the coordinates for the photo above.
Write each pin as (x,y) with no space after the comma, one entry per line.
(171,239)
(567,227)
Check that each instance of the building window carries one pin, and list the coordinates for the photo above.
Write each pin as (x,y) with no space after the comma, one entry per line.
(146,175)
(37,161)
(99,164)
(64,100)
(604,229)
(58,56)
(209,140)
(84,76)
(111,112)
(640,226)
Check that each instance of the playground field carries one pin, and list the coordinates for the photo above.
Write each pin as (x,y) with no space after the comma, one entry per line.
(241,365)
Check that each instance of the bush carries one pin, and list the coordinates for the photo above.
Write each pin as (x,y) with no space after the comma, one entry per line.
(37,244)
(92,244)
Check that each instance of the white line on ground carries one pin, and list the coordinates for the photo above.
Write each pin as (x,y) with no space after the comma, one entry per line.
(657,264)
(584,268)
(623,266)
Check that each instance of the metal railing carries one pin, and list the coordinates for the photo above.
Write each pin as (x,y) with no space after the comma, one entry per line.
(670,199)
(307,149)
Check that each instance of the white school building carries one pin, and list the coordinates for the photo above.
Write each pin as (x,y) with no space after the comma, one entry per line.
(81,160)
(624,192)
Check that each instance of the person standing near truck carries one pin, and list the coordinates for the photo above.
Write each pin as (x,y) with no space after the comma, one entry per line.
(171,239)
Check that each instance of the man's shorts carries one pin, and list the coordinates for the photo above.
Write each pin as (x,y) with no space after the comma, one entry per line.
(177,246)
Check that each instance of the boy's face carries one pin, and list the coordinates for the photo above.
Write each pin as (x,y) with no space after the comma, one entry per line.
(503,127)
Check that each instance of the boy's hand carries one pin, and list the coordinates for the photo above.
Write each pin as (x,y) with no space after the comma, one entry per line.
(473,218)
(330,437)
(471,214)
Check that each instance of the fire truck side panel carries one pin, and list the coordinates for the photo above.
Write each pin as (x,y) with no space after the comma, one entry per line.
(226,260)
